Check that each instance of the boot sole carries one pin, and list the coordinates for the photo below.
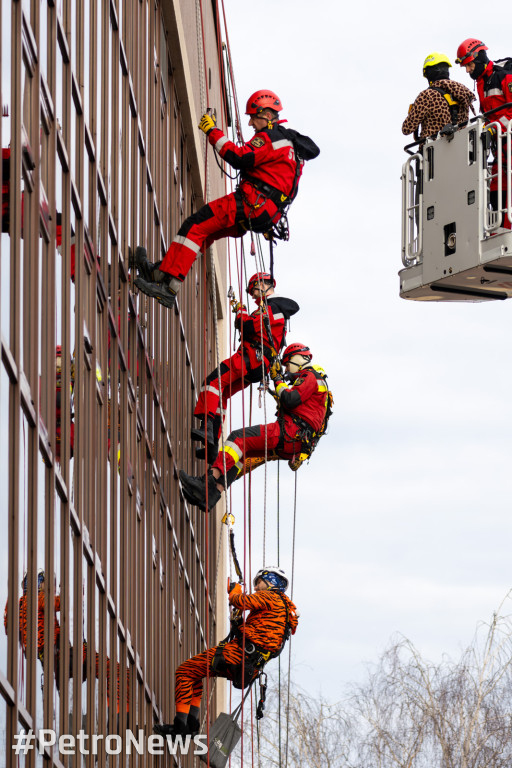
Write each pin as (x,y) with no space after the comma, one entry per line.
(151,289)
(190,494)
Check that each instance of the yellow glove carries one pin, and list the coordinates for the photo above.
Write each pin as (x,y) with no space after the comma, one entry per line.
(237,306)
(207,123)
(276,369)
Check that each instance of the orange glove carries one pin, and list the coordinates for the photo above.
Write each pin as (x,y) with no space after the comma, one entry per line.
(236,590)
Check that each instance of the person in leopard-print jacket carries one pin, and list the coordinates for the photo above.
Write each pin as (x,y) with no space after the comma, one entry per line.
(431,108)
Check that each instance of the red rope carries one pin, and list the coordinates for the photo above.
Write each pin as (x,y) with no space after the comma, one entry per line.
(247,496)
(238,127)
(205,361)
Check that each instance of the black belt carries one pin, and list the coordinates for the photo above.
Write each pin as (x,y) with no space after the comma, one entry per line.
(275,195)
(257,345)
(256,654)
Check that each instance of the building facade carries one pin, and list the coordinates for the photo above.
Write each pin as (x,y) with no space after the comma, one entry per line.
(101,153)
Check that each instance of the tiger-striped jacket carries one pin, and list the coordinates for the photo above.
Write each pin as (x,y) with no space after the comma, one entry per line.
(265,625)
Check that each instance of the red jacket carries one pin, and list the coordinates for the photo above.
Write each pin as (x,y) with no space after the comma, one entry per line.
(253,327)
(269,157)
(494,89)
(306,398)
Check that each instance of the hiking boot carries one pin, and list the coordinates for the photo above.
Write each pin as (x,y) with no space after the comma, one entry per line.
(177,728)
(213,452)
(194,490)
(159,291)
(193,725)
(138,260)
(198,433)
(212,444)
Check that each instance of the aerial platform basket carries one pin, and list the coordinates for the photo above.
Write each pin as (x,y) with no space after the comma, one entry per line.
(453,245)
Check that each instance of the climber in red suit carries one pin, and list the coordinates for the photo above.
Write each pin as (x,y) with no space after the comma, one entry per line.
(270,167)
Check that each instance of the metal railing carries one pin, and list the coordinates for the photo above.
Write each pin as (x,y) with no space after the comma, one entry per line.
(495,207)
(412,214)
(500,146)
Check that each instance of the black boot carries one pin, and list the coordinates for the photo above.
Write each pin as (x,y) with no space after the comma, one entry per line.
(138,260)
(177,728)
(157,290)
(213,451)
(198,433)
(193,725)
(194,490)
(207,438)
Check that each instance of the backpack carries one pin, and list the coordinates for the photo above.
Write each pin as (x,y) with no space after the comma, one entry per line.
(305,148)
(505,63)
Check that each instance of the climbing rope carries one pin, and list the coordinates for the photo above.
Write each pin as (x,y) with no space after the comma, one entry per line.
(228,518)
(291,598)
(229,92)
(206,517)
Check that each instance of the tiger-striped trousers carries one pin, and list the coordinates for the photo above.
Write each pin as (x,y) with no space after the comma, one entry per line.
(190,674)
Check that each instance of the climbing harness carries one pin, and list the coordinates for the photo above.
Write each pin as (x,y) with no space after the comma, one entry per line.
(268,192)
(254,658)
(453,105)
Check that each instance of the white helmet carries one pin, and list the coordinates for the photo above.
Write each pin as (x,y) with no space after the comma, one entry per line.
(274,576)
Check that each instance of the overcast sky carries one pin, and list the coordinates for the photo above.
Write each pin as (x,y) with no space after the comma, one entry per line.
(404,512)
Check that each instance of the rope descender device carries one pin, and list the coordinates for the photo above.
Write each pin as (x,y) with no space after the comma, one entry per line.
(232,298)
(228,520)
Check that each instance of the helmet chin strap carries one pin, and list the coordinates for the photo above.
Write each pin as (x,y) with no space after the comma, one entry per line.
(263,291)
(292,375)
(301,366)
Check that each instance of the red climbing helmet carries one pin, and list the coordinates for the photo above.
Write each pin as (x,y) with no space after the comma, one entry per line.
(296,349)
(263,100)
(259,277)
(467,51)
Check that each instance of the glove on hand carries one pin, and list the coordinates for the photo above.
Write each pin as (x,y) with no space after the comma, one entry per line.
(207,123)
(236,306)
(276,369)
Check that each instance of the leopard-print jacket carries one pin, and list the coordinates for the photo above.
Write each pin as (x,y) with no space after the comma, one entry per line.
(431,110)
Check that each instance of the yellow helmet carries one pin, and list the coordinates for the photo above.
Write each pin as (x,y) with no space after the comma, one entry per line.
(435,58)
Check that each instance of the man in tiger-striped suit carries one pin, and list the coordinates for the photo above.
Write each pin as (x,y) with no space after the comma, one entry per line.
(262,635)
